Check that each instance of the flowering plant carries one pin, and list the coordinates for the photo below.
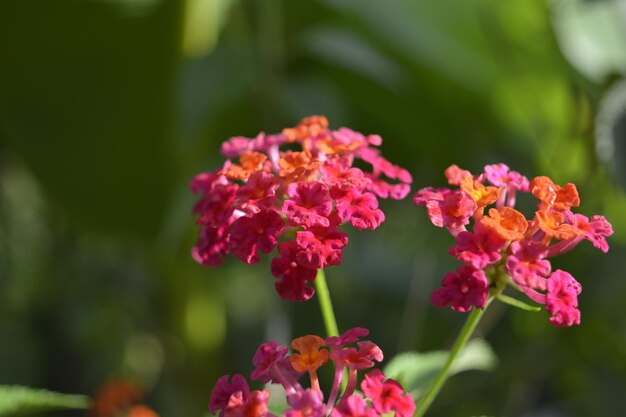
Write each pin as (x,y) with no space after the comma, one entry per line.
(297,199)
(293,199)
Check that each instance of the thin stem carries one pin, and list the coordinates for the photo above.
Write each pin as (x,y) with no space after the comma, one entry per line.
(326,305)
(461,340)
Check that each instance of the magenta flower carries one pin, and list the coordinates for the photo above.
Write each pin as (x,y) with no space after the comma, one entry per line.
(259,232)
(526,264)
(293,276)
(273,363)
(387,395)
(453,212)
(264,197)
(223,390)
(354,406)
(463,289)
(320,247)
(306,403)
(477,250)
(310,204)
(562,299)
(499,246)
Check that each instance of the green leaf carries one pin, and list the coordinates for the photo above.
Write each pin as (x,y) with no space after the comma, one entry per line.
(517,303)
(18,400)
(416,370)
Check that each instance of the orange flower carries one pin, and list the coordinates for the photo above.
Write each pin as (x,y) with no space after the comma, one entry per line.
(297,166)
(249,162)
(554,196)
(311,355)
(116,395)
(311,126)
(551,222)
(507,223)
(482,195)
(330,146)
(141,411)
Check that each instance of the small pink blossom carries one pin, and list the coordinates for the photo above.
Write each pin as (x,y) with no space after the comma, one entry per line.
(265,359)
(424,195)
(259,193)
(562,299)
(453,212)
(320,247)
(255,233)
(362,357)
(306,403)
(501,176)
(221,393)
(462,289)
(293,277)
(478,250)
(387,395)
(309,206)
(361,209)
(346,338)
(527,265)
(353,406)
(455,175)
(212,245)
(340,176)
(254,406)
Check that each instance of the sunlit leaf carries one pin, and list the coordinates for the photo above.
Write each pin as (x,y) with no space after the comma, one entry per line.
(18,400)
(416,370)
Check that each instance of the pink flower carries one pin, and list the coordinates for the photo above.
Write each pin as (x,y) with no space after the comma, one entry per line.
(257,232)
(500,176)
(309,206)
(259,193)
(595,231)
(527,265)
(462,289)
(339,175)
(361,358)
(387,395)
(424,195)
(212,245)
(320,247)
(254,406)
(215,207)
(455,175)
(562,299)
(478,250)
(220,395)
(346,338)
(353,406)
(306,403)
(453,212)
(361,209)
(293,276)
(265,359)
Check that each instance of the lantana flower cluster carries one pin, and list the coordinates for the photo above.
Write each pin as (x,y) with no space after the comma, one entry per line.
(274,364)
(294,199)
(499,246)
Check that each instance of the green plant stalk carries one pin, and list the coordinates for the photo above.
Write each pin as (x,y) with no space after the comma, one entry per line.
(459,344)
(326,305)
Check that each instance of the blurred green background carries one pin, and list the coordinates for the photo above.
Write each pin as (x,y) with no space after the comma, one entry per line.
(109,107)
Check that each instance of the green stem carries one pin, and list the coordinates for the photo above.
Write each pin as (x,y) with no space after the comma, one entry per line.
(325,304)
(461,340)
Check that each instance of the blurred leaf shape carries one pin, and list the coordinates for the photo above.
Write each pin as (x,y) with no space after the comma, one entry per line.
(202,21)
(415,370)
(592,35)
(18,400)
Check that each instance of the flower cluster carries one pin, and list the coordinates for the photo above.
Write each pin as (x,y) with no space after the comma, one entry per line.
(274,364)
(264,197)
(119,398)
(503,247)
